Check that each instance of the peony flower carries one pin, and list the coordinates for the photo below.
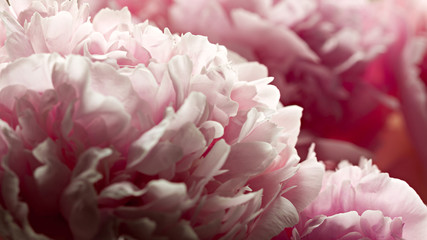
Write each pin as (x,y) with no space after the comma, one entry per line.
(321,52)
(341,61)
(360,202)
(65,28)
(146,135)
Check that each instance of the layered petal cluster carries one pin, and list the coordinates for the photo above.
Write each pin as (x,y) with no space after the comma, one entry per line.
(322,53)
(66,28)
(360,202)
(145,135)
(358,68)
(141,10)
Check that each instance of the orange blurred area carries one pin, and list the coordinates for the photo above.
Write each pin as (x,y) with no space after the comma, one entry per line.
(397,156)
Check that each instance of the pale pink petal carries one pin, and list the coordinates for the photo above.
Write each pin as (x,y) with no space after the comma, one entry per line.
(306,181)
(280,214)
(361,202)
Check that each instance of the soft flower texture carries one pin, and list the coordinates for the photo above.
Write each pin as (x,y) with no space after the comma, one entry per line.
(155,10)
(321,53)
(147,135)
(141,10)
(63,27)
(351,64)
(360,202)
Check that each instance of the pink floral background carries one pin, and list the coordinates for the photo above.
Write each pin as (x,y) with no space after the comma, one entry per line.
(222,119)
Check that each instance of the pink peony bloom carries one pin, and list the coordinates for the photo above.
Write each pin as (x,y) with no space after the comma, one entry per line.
(341,61)
(362,203)
(65,28)
(321,53)
(146,135)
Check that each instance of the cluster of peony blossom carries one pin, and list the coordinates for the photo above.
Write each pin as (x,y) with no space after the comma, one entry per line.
(114,128)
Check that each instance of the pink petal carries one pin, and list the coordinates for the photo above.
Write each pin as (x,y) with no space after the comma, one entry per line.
(279,215)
